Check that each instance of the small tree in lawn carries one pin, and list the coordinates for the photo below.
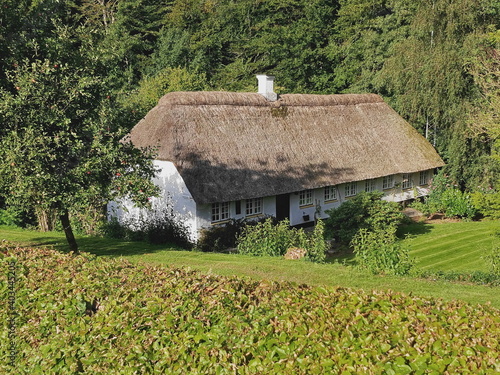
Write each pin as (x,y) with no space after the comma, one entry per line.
(59,144)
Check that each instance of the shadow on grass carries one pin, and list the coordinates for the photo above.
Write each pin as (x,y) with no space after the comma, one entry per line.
(413,229)
(102,246)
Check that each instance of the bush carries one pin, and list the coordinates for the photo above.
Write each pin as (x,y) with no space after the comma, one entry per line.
(156,227)
(222,237)
(267,238)
(457,204)
(487,203)
(381,252)
(93,315)
(365,210)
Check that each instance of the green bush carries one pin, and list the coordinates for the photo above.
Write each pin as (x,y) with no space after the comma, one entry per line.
(159,227)
(365,210)
(381,252)
(268,238)
(8,217)
(82,314)
(316,245)
(487,203)
(457,204)
(222,237)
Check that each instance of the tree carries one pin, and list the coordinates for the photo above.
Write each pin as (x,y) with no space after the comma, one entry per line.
(60,146)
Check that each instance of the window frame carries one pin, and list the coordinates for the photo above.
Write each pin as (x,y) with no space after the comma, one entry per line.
(253,206)
(330,193)
(423,178)
(388,182)
(407,182)
(305,197)
(351,189)
(370,185)
(220,211)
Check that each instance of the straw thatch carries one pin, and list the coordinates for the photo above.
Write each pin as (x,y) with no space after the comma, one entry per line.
(231,146)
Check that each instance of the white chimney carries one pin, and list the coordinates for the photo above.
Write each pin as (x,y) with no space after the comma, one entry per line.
(266,87)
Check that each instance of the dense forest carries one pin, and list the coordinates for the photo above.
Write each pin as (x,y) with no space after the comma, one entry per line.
(76,75)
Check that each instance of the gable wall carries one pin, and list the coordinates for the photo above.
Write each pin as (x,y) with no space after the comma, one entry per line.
(174,193)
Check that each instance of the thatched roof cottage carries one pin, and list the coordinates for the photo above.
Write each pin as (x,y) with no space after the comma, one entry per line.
(230,155)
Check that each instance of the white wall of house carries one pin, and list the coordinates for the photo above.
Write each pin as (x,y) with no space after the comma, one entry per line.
(174,193)
(304,206)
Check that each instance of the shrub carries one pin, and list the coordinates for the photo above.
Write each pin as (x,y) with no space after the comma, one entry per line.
(316,247)
(267,238)
(487,203)
(457,204)
(86,314)
(222,237)
(365,210)
(156,227)
(380,252)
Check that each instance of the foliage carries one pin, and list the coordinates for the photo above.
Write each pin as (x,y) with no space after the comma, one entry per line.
(493,259)
(223,237)
(270,239)
(94,315)
(267,238)
(60,142)
(156,227)
(457,204)
(487,203)
(475,277)
(445,197)
(316,246)
(380,251)
(365,210)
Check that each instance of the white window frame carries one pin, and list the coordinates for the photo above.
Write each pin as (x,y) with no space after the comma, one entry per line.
(407,181)
(370,185)
(330,193)
(351,189)
(388,182)
(423,178)
(305,198)
(220,211)
(253,206)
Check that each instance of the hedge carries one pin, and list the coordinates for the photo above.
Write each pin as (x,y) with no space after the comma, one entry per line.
(96,315)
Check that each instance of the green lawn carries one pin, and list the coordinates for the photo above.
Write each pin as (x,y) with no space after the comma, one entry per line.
(266,267)
(458,246)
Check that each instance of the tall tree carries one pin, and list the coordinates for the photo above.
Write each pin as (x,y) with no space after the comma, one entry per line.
(60,146)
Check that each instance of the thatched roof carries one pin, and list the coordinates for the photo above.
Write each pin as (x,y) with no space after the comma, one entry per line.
(231,146)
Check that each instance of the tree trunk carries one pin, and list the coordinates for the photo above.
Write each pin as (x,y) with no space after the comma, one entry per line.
(68,231)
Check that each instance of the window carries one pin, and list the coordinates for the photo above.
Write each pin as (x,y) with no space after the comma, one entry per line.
(238,207)
(370,185)
(305,197)
(407,181)
(350,189)
(423,178)
(330,193)
(220,211)
(388,182)
(254,206)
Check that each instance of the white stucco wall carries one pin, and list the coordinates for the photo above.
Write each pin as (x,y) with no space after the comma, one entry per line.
(174,193)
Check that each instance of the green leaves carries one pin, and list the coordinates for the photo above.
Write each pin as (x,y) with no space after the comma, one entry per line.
(169,320)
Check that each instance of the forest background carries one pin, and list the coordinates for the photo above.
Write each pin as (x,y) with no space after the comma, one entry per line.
(75,76)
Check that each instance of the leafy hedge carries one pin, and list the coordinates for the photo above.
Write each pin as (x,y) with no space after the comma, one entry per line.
(95,315)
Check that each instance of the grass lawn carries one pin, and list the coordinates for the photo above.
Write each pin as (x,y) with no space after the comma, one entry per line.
(452,246)
(263,267)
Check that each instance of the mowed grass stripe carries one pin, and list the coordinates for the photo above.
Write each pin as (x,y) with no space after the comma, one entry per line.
(465,261)
(454,246)
(450,241)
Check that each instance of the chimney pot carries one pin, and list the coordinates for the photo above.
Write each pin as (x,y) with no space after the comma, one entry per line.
(266,87)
